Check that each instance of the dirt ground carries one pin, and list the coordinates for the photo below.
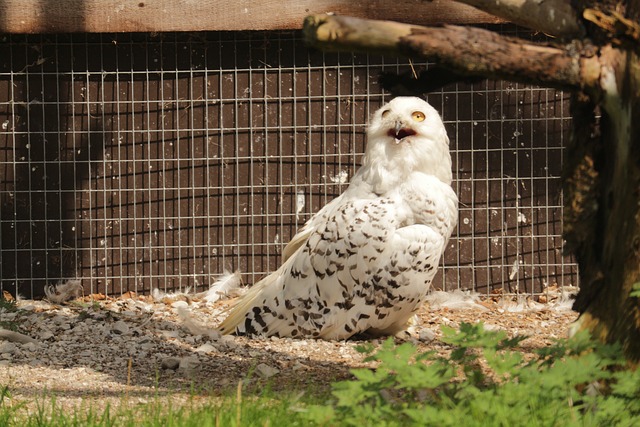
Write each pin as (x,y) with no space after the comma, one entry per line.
(133,349)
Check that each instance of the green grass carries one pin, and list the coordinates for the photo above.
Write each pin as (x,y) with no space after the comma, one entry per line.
(266,409)
(484,381)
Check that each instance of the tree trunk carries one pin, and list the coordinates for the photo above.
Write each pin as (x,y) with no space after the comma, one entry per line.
(602,204)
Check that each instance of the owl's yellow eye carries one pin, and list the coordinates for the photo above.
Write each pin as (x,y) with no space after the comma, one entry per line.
(385,113)
(418,116)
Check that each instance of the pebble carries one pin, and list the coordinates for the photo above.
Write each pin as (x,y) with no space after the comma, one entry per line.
(189,363)
(30,346)
(7,347)
(206,348)
(229,341)
(171,363)
(45,335)
(426,335)
(266,371)
(171,334)
(490,327)
(120,327)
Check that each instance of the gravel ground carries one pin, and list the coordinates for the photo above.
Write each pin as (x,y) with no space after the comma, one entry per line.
(134,349)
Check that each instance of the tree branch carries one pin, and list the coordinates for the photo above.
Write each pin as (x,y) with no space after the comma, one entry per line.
(621,30)
(554,17)
(465,50)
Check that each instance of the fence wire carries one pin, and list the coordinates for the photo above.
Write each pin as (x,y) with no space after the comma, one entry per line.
(141,161)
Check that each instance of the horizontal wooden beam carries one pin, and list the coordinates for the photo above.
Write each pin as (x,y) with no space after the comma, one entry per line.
(466,50)
(95,16)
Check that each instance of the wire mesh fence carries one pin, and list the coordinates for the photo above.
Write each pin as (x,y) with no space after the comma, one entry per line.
(141,161)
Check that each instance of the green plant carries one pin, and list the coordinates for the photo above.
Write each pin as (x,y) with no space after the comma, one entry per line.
(485,380)
(9,307)
(635,291)
(6,305)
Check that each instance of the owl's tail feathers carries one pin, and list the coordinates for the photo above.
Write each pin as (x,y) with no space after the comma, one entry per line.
(238,312)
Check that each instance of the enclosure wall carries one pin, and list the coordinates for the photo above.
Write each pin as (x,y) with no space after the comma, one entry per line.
(141,161)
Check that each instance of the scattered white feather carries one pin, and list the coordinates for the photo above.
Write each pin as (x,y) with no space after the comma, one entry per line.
(300,202)
(341,177)
(63,292)
(457,299)
(227,285)
(520,304)
(159,295)
(514,269)
(566,298)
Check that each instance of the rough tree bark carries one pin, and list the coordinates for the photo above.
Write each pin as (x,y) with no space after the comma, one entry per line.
(596,57)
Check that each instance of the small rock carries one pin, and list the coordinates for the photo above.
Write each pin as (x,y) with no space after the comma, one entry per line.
(426,335)
(8,347)
(170,334)
(228,341)
(214,335)
(206,348)
(45,335)
(30,346)
(120,327)
(170,363)
(266,371)
(189,363)
(147,346)
(299,365)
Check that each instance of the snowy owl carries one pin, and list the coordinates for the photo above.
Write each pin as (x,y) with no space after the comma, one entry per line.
(365,261)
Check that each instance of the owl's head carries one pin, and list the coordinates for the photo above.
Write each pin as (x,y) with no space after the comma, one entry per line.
(407,135)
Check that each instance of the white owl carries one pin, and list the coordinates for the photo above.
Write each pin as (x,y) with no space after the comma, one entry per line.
(365,261)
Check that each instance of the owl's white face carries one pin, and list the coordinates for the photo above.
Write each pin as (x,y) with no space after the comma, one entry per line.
(407,134)
(404,118)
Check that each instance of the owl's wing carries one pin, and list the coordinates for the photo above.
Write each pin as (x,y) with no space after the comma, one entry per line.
(312,224)
(272,282)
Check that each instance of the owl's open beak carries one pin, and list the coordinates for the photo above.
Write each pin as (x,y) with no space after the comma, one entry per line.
(399,132)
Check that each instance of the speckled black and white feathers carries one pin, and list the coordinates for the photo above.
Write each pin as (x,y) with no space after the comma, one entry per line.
(364,262)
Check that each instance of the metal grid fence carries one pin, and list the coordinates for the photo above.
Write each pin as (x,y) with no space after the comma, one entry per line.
(140,161)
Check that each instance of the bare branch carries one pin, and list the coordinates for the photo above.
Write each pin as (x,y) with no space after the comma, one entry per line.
(465,50)
(16,337)
(622,31)
(553,17)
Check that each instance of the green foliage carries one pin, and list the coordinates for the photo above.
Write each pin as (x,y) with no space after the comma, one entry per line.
(486,381)
(8,307)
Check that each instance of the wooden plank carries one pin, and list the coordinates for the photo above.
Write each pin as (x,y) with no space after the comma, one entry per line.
(64,16)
